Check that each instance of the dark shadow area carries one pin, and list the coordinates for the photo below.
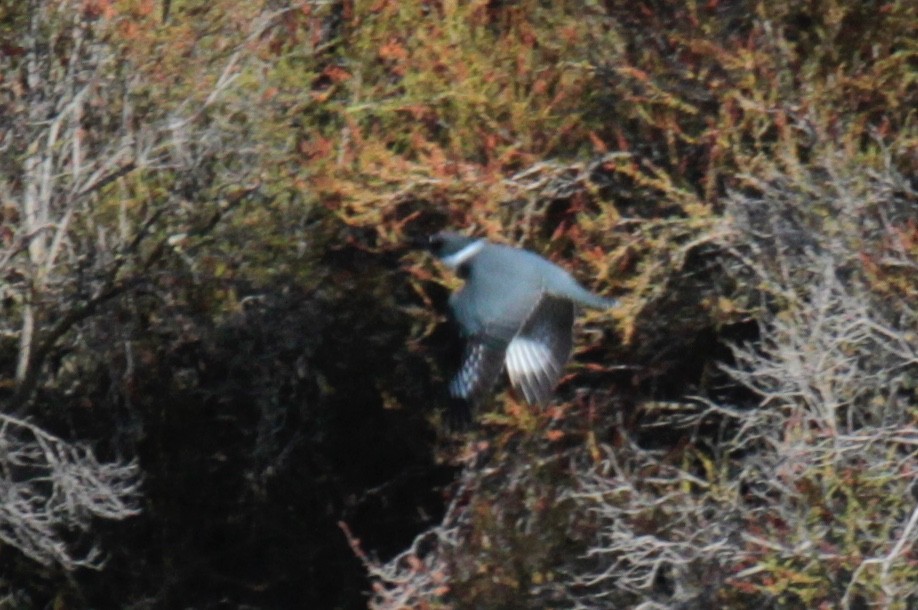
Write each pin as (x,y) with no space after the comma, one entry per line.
(257,436)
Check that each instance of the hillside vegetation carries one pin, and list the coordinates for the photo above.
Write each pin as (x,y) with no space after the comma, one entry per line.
(223,369)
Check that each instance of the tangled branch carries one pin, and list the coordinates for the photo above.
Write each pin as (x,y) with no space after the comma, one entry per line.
(50,488)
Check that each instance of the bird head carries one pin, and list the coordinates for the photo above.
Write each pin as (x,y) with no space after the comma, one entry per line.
(450,247)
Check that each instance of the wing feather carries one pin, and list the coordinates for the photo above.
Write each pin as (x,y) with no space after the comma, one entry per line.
(480,369)
(537,354)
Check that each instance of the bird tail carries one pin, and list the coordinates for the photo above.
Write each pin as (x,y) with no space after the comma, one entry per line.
(597,302)
(584,297)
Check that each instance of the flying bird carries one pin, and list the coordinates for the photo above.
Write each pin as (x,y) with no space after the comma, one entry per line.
(516,311)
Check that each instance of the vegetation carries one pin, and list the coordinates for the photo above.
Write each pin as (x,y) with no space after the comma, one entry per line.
(222,369)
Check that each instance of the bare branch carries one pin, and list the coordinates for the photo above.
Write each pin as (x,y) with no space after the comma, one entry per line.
(49,487)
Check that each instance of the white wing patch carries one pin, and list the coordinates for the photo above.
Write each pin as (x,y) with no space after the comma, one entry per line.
(534,358)
(532,369)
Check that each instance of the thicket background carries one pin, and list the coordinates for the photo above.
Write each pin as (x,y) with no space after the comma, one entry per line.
(221,368)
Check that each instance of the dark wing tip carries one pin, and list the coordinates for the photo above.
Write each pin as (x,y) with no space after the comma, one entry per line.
(480,369)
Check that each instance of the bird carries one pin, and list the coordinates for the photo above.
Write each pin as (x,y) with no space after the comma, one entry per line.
(516,312)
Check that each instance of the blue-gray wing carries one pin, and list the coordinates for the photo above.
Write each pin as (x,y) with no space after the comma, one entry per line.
(536,356)
(490,310)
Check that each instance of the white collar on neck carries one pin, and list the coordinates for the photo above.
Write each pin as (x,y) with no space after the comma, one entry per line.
(457,258)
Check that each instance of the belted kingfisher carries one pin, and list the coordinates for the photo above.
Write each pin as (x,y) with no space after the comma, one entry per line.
(516,311)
